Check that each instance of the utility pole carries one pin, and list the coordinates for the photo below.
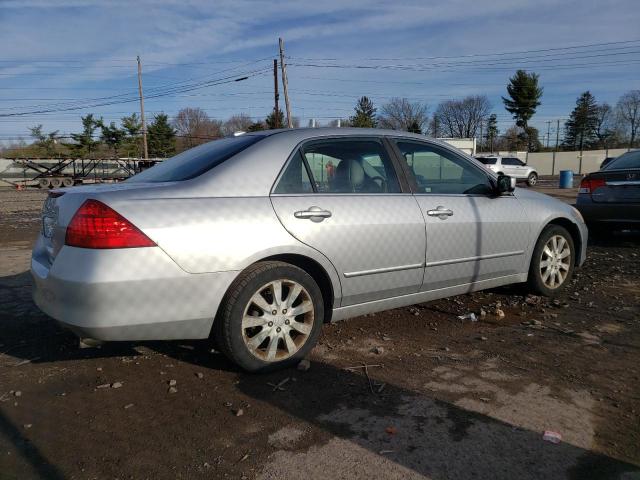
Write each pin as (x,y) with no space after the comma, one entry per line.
(276,95)
(285,85)
(480,145)
(548,131)
(553,165)
(144,125)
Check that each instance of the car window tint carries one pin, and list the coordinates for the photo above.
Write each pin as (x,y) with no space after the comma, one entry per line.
(295,178)
(439,171)
(487,160)
(512,161)
(196,161)
(351,166)
(626,160)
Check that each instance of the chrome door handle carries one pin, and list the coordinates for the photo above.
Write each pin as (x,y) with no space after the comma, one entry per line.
(440,212)
(315,214)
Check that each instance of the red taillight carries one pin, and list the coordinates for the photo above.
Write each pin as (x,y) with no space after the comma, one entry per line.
(588,185)
(95,225)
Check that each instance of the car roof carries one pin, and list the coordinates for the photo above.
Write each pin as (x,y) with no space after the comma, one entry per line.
(301,134)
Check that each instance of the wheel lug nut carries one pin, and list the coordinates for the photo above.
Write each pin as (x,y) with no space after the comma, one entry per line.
(270,324)
(273,312)
(278,329)
(284,310)
(286,322)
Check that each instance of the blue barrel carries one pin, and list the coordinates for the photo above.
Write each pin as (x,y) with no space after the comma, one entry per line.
(566,179)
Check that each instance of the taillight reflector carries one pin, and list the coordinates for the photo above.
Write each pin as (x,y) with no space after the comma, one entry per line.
(96,225)
(588,185)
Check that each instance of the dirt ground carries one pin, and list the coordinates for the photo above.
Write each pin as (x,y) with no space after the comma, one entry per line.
(442,398)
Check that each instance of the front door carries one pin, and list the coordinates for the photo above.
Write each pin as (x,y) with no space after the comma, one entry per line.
(342,197)
(472,234)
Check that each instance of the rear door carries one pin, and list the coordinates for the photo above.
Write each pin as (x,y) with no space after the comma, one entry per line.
(513,167)
(472,234)
(343,197)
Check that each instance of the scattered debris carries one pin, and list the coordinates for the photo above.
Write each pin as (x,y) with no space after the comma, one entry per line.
(391,430)
(279,386)
(377,350)
(553,437)
(104,385)
(116,385)
(200,375)
(589,338)
(172,390)
(468,316)
(304,365)
(499,313)
(172,383)
(238,412)
(17,393)
(28,425)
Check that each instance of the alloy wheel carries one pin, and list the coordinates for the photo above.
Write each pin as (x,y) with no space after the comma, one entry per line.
(277,320)
(555,261)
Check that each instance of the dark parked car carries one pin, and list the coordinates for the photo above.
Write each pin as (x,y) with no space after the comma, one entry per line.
(610,198)
(606,162)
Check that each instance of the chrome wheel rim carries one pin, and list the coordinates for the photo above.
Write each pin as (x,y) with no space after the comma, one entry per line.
(277,320)
(533,179)
(555,261)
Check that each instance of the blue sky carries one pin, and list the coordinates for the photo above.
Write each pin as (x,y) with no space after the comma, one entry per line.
(58,53)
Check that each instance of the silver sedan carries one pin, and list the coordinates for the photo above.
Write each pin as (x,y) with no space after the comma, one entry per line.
(256,240)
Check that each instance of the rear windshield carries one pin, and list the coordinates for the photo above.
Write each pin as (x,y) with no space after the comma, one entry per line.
(194,162)
(624,161)
(486,160)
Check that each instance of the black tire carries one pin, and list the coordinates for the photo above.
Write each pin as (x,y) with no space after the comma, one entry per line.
(535,281)
(227,328)
(532,179)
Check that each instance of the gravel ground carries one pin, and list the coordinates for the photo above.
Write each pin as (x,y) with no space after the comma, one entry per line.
(442,398)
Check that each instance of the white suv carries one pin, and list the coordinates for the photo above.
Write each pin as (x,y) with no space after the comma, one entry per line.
(512,166)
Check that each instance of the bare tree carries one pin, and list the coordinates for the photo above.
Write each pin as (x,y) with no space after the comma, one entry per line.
(237,123)
(629,112)
(194,127)
(462,118)
(604,127)
(401,114)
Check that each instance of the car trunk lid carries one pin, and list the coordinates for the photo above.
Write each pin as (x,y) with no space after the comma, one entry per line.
(621,186)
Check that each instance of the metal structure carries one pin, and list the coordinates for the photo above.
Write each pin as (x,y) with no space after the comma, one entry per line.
(67,172)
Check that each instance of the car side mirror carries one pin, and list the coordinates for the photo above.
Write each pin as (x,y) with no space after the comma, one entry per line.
(505,184)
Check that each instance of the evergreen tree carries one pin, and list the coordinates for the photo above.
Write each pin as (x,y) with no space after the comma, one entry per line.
(274,121)
(581,128)
(525,95)
(365,114)
(85,142)
(132,127)
(256,127)
(414,127)
(112,136)
(45,141)
(492,130)
(161,137)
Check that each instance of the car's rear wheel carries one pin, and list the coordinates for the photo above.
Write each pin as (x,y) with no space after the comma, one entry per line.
(552,262)
(270,318)
(532,179)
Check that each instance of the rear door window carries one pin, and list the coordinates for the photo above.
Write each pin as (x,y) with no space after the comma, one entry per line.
(341,165)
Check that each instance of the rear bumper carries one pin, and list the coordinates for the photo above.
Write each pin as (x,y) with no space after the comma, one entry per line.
(609,213)
(127,294)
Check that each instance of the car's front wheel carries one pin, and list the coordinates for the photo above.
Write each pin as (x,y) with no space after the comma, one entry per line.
(552,262)
(532,179)
(270,318)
